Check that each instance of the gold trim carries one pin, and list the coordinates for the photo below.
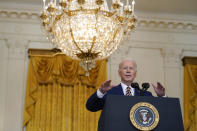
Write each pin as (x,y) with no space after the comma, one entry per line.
(85,55)
(63,4)
(43,16)
(120,19)
(127,12)
(116,6)
(189,60)
(51,9)
(99,2)
(132,111)
(44,52)
(81,2)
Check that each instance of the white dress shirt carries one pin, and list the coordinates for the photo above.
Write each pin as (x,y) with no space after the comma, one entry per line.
(124,88)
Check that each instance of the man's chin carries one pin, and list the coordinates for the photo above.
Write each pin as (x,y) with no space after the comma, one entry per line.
(128,80)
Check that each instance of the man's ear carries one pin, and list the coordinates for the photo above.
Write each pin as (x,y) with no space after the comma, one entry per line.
(119,72)
(135,74)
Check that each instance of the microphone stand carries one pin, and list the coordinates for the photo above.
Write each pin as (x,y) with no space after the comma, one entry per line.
(136,86)
(145,87)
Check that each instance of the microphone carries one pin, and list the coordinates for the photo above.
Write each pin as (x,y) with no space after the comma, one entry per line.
(145,86)
(135,85)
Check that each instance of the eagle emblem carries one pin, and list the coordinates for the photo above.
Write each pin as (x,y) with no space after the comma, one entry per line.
(144,116)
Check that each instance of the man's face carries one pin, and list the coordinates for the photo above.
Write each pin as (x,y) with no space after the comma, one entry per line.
(127,71)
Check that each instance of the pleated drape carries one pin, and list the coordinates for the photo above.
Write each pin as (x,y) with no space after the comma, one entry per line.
(190,97)
(56,94)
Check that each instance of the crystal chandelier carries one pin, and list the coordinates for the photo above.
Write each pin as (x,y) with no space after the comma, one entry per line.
(87,30)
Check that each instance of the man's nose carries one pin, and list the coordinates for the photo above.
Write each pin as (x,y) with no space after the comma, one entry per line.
(128,70)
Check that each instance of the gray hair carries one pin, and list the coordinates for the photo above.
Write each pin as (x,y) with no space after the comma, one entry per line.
(120,64)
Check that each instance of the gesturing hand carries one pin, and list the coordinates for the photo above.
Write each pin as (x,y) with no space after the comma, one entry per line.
(106,86)
(159,89)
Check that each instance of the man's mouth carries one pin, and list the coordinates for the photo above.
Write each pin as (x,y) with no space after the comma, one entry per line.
(128,75)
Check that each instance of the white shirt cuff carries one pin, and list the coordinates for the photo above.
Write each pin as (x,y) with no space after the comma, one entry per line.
(99,94)
(165,95)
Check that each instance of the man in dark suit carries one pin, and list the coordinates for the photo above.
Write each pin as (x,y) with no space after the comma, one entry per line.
(127,72)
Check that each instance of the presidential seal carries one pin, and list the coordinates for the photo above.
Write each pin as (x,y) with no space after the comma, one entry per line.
(144,116)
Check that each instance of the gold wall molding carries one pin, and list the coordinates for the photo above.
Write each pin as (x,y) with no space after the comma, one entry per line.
(189,60)
(178,25)
(144,23)
(19,15)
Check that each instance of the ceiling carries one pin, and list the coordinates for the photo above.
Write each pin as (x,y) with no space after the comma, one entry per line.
(177,7)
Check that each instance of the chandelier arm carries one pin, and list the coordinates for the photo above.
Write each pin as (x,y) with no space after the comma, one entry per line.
(116,31)
(94,38)
(71,32)
(93,42)
(97,20)
(114,35)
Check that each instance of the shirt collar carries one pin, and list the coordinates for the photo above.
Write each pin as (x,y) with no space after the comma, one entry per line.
(124,86)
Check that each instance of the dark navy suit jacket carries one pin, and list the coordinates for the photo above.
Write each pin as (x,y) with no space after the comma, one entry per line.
(94,103)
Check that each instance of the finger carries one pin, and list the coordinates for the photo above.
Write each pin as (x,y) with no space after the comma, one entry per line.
(159,85)
(153,85)
(106,83)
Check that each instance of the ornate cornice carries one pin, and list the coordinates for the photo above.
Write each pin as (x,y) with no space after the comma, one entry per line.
(167,24)
(144,23)
(19,15)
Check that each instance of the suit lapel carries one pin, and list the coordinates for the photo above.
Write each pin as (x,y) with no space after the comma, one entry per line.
(119,90)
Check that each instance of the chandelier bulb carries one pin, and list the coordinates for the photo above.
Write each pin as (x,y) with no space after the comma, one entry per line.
(133,3)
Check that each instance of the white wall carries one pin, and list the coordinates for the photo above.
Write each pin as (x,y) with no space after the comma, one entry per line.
(157,46)
(3,76)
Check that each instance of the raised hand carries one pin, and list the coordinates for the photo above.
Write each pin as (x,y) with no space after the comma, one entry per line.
(106,86)
(159,89)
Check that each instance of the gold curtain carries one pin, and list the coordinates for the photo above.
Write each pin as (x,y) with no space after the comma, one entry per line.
(56,93)
(190,93)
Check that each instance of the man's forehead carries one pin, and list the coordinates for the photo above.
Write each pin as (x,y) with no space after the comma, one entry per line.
(127,63)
